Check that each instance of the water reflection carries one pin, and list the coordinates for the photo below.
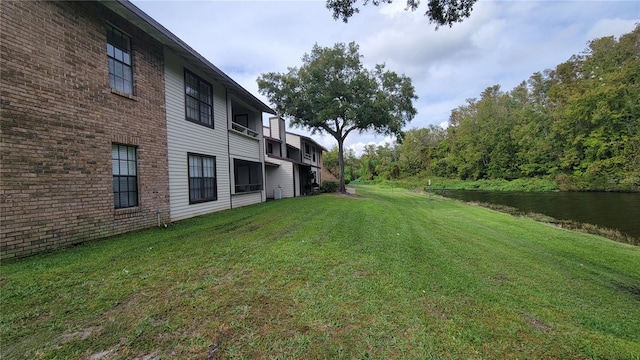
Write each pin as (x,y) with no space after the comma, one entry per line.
(619,211)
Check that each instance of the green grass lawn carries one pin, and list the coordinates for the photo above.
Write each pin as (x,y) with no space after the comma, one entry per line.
(386,274)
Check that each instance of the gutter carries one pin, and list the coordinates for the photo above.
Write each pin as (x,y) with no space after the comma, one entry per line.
(131,13)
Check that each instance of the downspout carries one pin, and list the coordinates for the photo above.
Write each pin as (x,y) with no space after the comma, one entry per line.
(263,157)
(294,178)
(227,104)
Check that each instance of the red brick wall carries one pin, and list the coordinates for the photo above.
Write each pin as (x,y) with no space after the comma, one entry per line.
(58,120)
(326,175)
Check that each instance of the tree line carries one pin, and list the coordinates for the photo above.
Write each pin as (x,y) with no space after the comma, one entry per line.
(578,124)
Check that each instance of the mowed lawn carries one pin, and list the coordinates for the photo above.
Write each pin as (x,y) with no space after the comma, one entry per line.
(386,274)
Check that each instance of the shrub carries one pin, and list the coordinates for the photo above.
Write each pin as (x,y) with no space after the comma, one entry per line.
(330,186)
(565,182)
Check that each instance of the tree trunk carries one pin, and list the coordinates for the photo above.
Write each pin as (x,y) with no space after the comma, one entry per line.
(342,187)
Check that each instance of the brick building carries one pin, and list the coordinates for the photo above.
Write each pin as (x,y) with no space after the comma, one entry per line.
(86,119)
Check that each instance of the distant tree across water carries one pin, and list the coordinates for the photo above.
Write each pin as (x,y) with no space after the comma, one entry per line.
(578,124)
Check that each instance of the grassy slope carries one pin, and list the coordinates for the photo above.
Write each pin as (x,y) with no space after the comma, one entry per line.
(388,274)
(421,182)
(563,183)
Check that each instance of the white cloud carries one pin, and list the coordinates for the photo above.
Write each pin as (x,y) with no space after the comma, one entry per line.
(394,9)
(359,146)
(612,27)
(503,42)
(488,36)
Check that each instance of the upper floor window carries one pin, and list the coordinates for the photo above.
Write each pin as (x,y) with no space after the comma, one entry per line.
(269,148)
(202,178)
(119,59)
(242,120)
(198,100)
(307,151)
(125,176)
(313,153)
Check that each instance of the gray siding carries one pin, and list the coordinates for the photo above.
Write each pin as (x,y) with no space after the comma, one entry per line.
(244,147)
(293,140)
(240,200)
(184,136)
(280,176)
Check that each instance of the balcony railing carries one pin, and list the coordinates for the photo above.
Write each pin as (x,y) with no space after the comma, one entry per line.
(245,130)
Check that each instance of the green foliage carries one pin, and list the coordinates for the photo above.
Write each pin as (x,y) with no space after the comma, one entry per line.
(419,148)
(439,12)
(330,186)
(379,162)
(330,161)
(421,181)
(529,185)
(333,93)
(578,124)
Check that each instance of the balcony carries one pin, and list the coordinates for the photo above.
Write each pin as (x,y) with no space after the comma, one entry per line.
(244,130)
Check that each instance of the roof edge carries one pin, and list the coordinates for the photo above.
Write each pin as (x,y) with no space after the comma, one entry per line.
(310,139)
(133,9)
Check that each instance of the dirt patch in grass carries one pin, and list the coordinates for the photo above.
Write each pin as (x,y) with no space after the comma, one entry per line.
(213,350)
(434,309)
(230,226)
(109,353)
(438,313)
(80,335)
(115,353)
(634,291)
(536,324)
(350,196)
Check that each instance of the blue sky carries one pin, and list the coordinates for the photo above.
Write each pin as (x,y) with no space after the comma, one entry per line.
(503,42)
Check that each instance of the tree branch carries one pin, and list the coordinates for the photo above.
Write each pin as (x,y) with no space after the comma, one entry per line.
(329,130)
(348,131)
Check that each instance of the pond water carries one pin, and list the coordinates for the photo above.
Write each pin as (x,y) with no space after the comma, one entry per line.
(619,211)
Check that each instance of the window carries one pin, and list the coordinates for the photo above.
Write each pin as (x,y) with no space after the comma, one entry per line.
(314,153)
(307,151)
(125,176)
(198,100)
(248,175)
(269,148)
(202,178)
(242,120)
(119,59)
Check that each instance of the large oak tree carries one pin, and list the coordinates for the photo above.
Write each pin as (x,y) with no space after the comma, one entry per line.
(439,12)
(333,93)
